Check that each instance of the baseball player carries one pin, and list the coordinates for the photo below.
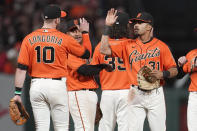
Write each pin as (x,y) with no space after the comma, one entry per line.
(189,65)
(149,51)
(80,82)
(81,90)
(43,55)
(115,85)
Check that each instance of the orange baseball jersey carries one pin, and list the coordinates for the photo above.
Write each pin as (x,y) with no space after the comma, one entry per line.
(187,68)
(135,55)
(76,81)
(45,52)
(118,78)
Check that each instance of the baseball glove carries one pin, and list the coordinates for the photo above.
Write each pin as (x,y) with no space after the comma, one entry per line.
(107,67)
(99,114)
(145,80)
(18,113)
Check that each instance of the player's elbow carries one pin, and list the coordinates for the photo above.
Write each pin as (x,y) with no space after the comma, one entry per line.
(105,51)
(86,54)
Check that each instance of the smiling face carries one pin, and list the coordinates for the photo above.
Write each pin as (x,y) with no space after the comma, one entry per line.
(76,34)
(141,28)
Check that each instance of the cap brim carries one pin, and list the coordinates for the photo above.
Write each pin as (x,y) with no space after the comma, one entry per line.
(63,14)
(72,27)
(133,20)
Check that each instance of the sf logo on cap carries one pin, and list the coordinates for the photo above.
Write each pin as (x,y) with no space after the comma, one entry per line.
(138,15)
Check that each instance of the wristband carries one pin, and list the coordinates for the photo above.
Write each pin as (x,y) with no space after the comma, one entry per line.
(166,74)
(106,30)
(18,91)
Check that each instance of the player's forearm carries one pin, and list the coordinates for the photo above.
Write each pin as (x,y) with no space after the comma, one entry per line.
(105,48)
(173,72)
(89,70)
(181,73)
(20,77)
(86,42)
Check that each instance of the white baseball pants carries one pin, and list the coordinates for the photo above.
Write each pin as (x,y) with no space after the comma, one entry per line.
(192,112)
(114,108)
(150,105)
(82,105)
(47,97)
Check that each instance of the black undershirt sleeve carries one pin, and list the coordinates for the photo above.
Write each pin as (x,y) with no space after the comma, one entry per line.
(90,70)
(181,73)
(86,55)
(22,67)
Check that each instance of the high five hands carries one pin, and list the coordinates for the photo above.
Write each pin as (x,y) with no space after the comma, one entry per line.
(111,17)
(84,25)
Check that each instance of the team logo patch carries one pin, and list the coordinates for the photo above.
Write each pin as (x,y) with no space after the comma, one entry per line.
(138,15)
(45,31)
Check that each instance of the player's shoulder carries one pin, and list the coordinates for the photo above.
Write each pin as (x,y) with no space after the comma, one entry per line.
(30,35)
(192,52)
(66,36)
(161,43)
(98,46)
(122,41)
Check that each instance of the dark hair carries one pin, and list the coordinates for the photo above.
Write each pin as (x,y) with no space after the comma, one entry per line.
(119,31)
(62,27)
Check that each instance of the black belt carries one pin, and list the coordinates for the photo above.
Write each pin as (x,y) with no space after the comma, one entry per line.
(47,78)
(89,89)
(141,89)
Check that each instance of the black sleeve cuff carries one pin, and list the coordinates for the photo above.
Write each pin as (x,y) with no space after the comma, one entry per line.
(84,32)
(22,67)
(89,70)
(86,54)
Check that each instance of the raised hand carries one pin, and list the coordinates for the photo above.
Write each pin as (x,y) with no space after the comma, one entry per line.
(111,17)
(84,25)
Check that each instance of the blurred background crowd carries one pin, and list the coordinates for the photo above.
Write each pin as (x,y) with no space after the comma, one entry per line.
(174,22)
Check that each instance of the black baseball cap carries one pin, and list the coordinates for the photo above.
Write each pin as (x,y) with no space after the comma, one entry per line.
(72,24)
(52,12)
(123,18)
(143,17)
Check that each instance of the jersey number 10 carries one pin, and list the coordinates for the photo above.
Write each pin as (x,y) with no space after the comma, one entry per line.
(45,58)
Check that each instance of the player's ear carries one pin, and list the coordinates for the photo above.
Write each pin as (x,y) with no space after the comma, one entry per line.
(148,27)
(57,20)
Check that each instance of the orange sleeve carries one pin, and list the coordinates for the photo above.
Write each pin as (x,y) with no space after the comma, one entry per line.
(186,67)
(95,58)
(86,42)
(74,62)
(24,55)
(167,58)
(190,56)
(73,47)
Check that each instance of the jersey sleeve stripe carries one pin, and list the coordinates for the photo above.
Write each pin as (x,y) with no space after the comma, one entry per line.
(22,67)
